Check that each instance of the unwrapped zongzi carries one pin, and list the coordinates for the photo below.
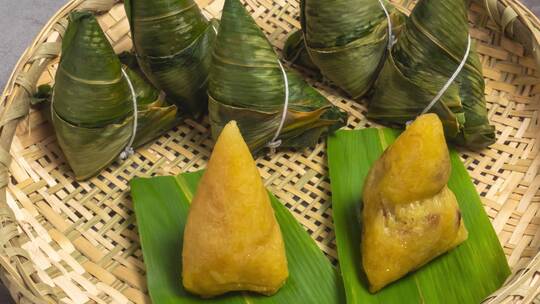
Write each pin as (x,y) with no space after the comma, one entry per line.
(247,84)
(173,41)
(92,103)
(410,216)
(428,52)
(232,240)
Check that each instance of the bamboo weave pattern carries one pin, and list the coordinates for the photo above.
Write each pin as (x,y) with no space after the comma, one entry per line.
(61,240)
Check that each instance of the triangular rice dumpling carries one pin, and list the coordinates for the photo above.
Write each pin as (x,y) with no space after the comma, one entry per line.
(92,105)
(410,215)
(173,43)
(345,40)
(426,55)
(232,240)
(247,85)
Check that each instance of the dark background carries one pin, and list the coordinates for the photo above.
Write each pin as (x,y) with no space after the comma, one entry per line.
(21,20)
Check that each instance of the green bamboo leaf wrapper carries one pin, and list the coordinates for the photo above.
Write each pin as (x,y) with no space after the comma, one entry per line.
(89,79)
(155,114)
(466,274)
(247,85)
(161,207)
(425,56)
(345,41)
(173,42)
(92,109)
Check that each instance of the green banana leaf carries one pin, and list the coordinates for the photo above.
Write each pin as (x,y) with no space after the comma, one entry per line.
(247,85)
(161,207)
(345,40)
(427,53)
(466,274)
(173,41)
(92,109)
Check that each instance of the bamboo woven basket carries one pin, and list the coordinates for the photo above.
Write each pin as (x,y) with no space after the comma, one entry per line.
(76,242)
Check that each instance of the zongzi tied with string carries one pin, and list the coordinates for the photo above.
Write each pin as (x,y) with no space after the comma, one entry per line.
(409,216)
(432,44)
(232,241)
(173,41)
(248,84)
(346,41)
(92,102)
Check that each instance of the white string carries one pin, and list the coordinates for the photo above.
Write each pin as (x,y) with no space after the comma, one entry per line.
(390,34)
(52,103)
(128,150)
(275,142)
(451,80)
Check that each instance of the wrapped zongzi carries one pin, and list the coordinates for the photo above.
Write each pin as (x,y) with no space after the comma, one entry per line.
(232,240)
(92,102)
(173,41)
(248,84)
(433,42)
(410,215)
(345,40)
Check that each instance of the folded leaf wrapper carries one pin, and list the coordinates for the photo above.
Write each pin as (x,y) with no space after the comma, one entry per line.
(427,53)
(247,85)
(173,41)
(92,110)
(346,41)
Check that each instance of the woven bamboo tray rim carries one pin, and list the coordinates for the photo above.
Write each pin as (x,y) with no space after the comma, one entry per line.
(63,241)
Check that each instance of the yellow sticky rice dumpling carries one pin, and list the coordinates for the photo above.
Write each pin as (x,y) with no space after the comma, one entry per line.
(232,240)
(410,216)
